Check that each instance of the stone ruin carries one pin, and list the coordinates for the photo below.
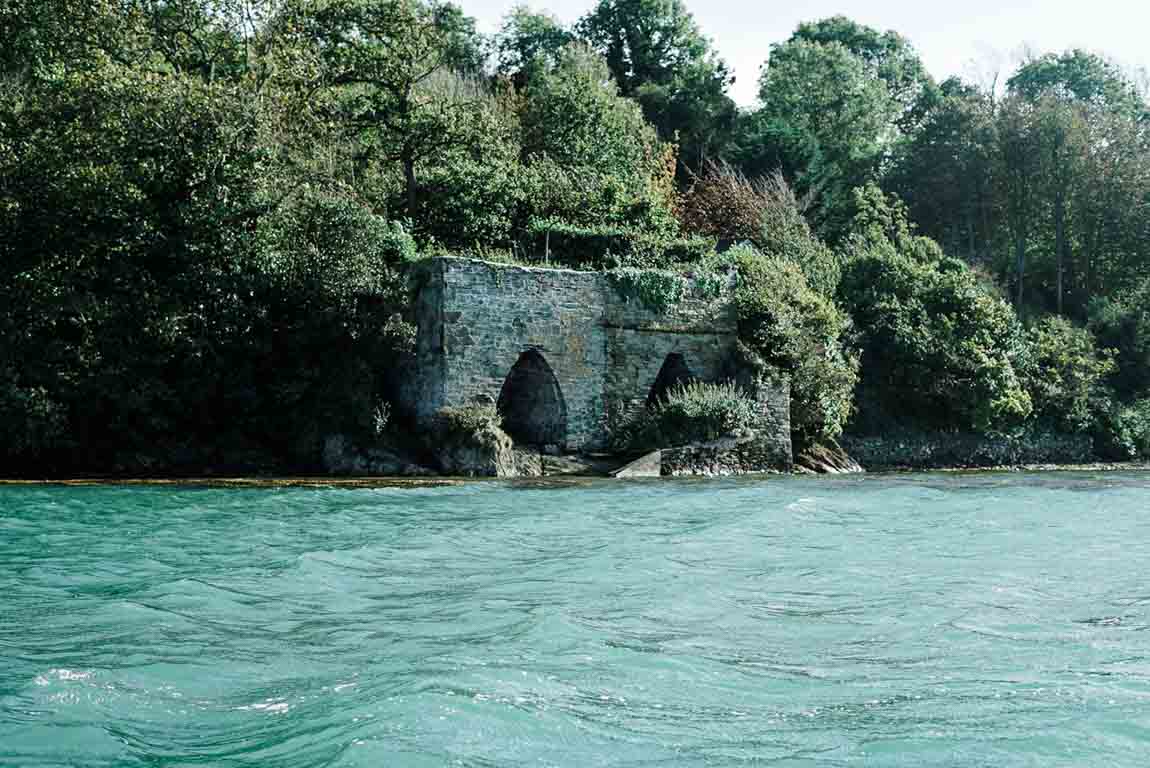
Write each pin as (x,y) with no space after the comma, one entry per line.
(566,355)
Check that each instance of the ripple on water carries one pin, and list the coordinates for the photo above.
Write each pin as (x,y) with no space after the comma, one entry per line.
(911,620)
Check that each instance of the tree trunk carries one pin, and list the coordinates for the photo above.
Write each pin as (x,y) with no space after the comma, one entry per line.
(1060,240)
(409,177)
(1020,266)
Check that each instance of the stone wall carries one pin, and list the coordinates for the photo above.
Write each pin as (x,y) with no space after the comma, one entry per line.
(939,451)
(478,321)
(750,454)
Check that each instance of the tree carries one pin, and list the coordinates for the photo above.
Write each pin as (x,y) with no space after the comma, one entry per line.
(1110,206)
(592,157)
(1019,166)
(1077,76)
(944,171)
(383,70)
(831,121)
(646,41)
(1074,106)
(658,56)
(790,327)
(527,36)
(125,232)
(1122,323)
(1065,374)
(939,349)
(35,33)
(887,55)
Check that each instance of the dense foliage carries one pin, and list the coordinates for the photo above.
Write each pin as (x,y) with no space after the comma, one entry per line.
(940,350)
(797,330)
(207,206)
(689,413)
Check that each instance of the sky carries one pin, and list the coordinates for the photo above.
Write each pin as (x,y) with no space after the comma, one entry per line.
(972,38)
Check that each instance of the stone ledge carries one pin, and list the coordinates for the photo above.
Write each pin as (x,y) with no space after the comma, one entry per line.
(744,455)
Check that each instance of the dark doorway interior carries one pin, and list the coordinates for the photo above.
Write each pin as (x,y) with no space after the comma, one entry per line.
(674,371)
(531,402)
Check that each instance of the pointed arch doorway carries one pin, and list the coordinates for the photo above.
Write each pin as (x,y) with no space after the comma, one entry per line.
(674,372)
(531,403)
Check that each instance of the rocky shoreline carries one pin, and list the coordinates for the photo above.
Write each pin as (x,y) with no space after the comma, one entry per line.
(386,481)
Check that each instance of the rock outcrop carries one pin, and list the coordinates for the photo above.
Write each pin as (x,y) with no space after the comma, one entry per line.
(745,454)
(826,458)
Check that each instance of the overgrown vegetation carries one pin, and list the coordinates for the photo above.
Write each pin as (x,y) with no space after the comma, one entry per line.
(469,421)
(657,289)
(689,413)
(207,207)
(797,330)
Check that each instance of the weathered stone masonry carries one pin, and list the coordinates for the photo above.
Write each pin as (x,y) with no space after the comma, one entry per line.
(562,352)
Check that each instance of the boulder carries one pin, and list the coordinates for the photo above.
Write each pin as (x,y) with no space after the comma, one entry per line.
(826,458)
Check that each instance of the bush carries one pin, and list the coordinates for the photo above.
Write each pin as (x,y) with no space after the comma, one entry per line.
(656,289)
(1123,433)
(1123,324)
(690,413)
(589,156)
(795,329)
(939,350)
(469,420)
(465,202)
(1064,374)
(611,247)
(332,248)
(34,425)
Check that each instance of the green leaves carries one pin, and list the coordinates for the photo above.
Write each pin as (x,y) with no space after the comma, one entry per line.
(831,120)
(690,412)
(1065,375)
(939,350)
(795,329)
(658,56)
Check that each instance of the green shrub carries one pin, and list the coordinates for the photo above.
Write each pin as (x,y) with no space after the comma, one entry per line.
(690,413)
(333,248)
(469,420)
(34,425)
(589,156)
(656,289)
(608,246)
(794,328)
(939,350)
(579,246)
(1064,374)
(466,202)
(1122,323)
(695,249)
(1123,433)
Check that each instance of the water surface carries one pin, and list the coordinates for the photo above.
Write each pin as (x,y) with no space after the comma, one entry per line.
(988,620)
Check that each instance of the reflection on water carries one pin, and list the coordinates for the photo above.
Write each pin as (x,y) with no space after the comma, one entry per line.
(914,620)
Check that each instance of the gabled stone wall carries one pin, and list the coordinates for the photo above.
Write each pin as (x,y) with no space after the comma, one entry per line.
(477,321)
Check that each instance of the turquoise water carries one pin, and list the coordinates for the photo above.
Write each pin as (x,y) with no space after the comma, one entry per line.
(991,620)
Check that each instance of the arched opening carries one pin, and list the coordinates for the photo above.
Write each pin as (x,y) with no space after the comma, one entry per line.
(674,371)
(531,403)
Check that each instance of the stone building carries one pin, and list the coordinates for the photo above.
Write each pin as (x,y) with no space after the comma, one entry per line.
(565,354)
